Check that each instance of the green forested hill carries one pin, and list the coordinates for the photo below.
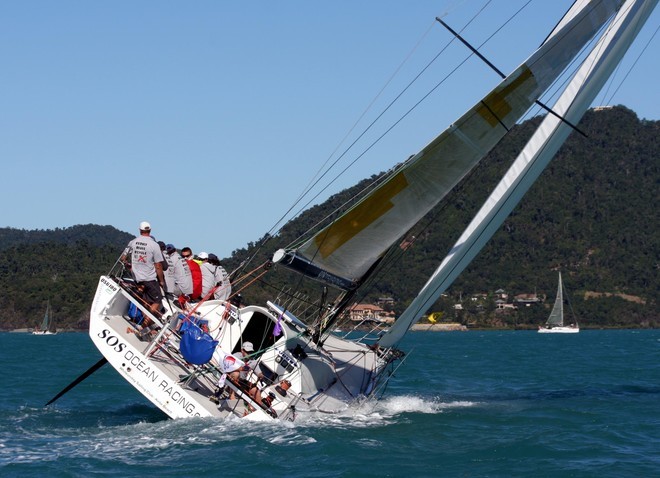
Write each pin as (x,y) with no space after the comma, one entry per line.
(592,214)
(93,235)
(62,265)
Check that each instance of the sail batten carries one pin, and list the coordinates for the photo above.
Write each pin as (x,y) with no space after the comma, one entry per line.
(541,148)
(349,246)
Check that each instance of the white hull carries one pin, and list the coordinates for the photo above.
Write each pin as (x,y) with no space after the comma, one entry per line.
(559,330)
(320,381)
(43,332)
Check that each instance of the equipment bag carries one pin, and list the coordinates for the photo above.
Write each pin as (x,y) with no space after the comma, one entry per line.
(196,345)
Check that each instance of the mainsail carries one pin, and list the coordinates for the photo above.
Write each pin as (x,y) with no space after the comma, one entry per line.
(551,134)
(343,252)
(45,324)
(556,318)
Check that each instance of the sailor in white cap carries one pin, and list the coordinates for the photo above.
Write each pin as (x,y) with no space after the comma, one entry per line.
(146,258)
(239,377)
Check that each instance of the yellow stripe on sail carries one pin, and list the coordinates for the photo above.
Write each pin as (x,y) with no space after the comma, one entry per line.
(495,106)
(360,217)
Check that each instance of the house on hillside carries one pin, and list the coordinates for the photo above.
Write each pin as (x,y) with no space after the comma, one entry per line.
(369,312)
(501,294)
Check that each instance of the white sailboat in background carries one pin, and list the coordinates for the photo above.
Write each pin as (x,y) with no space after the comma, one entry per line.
(302,366)
(555,323)
(47,325)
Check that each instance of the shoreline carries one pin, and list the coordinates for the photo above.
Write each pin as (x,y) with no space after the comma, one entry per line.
(451,327)
(28,330)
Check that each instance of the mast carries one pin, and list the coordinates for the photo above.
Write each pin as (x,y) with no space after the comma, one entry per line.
(541,148)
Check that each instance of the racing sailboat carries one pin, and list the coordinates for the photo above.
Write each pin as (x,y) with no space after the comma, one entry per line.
(187,362)
(47,324)
(555,323)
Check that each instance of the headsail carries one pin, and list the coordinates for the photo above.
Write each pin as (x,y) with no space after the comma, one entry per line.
(538,152)
(343,252)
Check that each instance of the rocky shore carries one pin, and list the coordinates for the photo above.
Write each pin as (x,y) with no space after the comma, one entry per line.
(451,327)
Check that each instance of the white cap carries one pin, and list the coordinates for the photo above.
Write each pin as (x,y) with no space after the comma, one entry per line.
(248,347)
(145,226)
(203,255)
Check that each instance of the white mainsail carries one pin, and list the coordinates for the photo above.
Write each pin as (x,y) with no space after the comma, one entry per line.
(556,318)
(45,324)
(551,134)
(344,251)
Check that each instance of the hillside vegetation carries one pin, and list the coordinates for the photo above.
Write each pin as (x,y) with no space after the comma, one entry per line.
(592,215)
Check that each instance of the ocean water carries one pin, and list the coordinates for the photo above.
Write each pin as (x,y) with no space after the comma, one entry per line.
(464,404)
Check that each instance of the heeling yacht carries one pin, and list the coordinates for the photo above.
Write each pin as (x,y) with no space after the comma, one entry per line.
(47,324)
(186,361)
(555,323)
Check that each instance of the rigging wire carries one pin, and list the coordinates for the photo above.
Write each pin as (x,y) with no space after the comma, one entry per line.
(316,179)
(273,230)
(561,82)
(570,305)
(319,175)
(557,86)
(608,101)
(411,109)
(313,181)
(370,126)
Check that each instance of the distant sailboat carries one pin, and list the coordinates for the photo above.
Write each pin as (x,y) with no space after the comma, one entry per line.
(555,323)
(47,324)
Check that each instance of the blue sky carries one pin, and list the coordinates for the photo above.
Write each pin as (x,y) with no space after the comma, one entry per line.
(209,118)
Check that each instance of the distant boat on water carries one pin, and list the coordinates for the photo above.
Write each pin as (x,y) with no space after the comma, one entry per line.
(555,323)
(47,325)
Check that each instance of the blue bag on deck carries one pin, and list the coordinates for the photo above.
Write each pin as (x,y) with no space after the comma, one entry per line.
(196,346)
(135,313)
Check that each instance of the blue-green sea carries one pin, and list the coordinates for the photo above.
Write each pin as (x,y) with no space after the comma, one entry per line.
(464,404)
